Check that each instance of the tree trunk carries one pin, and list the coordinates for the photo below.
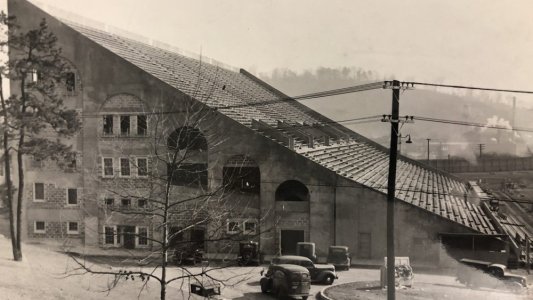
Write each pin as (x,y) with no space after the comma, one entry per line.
(20,169)
(17,254)
(163,290)
(20,194)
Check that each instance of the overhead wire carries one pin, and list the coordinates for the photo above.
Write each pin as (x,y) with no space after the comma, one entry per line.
(470,87)
(327,93)
(471,124)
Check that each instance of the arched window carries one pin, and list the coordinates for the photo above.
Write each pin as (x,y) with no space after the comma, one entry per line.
(124,115)
(193,170)
(241,173)
(187,138)
(292,190)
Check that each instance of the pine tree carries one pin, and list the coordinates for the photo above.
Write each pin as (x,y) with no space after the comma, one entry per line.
(35,118)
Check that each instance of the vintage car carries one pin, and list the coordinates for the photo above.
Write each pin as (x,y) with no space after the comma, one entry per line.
(307,250)
(339,256)
(286,281)
(482,273)
(249,254)
(320,273)
(184,255)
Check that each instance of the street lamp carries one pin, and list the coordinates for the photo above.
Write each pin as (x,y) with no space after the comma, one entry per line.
(400,137)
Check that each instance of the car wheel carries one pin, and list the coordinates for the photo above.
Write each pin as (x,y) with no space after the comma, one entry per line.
(264,286)
(329,279)
(280,294)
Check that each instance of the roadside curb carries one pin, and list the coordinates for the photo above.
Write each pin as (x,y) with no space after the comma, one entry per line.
(322,295)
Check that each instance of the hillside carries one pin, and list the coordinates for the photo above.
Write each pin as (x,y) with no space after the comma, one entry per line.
(485,108)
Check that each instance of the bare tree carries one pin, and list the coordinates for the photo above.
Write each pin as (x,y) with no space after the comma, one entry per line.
(162,185)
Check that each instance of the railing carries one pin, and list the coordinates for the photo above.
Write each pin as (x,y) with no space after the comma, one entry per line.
(273,133)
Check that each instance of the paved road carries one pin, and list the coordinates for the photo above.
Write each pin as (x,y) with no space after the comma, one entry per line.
(250,289)
(244,283)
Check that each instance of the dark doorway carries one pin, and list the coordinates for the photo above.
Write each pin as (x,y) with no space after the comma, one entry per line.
(127,234)
(289,239)
(198,238)
(364,245)
(176,236)
(292,190)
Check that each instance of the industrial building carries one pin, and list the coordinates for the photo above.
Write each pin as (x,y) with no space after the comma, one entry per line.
(307,178)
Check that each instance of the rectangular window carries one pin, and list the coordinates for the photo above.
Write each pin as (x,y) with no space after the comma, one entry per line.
(70,81)
(142,125)
(108,125)
(108,167)
(38,192)
(71,161)
(250,227)
(72,228)
(142,167)
(141,203)
(124,125)
(34,76)
(109,202)
(233,227)
(39,227)
(125,167)
(142,236)
(125,202)
(72,196)
(109,235)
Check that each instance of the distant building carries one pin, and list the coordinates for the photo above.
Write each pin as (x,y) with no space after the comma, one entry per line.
(311,178)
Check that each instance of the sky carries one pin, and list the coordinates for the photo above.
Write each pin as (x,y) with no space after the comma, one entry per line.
(468,42)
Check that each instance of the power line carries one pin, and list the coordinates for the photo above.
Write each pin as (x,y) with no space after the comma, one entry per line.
(471,87)
(471,124)
(327,93)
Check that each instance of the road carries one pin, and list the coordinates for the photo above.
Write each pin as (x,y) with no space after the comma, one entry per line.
(244,284)
(249,289)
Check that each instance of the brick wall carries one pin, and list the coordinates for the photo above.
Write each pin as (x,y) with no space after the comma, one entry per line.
(55,230)
(54,197)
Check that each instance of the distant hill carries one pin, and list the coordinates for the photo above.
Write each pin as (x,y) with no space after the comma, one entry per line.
(455,140)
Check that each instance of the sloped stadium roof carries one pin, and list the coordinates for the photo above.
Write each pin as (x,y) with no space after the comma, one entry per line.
(237,95)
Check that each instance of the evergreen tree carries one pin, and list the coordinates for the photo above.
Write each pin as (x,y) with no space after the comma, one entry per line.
(35,118)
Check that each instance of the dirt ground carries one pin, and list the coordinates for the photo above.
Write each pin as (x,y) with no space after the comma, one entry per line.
(371,290)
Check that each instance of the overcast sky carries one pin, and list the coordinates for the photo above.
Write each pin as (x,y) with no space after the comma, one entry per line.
(487,43)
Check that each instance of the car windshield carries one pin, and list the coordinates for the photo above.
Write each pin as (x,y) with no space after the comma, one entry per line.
(337,253)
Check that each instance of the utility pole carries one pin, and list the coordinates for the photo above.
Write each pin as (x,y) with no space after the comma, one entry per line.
(428,149)
(391,187)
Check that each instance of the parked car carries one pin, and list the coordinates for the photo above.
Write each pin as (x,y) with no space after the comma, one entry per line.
(187,255)
(286,281)
(307,250)
(249,254)
(482,273)
(321,273)
(339,256)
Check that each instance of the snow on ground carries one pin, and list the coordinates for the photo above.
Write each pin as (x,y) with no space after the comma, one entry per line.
(46,274)
(43,274)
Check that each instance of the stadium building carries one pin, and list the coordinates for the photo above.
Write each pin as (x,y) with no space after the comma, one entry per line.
(307,177)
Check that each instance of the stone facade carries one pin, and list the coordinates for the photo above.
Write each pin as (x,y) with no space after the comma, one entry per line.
(337,211)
